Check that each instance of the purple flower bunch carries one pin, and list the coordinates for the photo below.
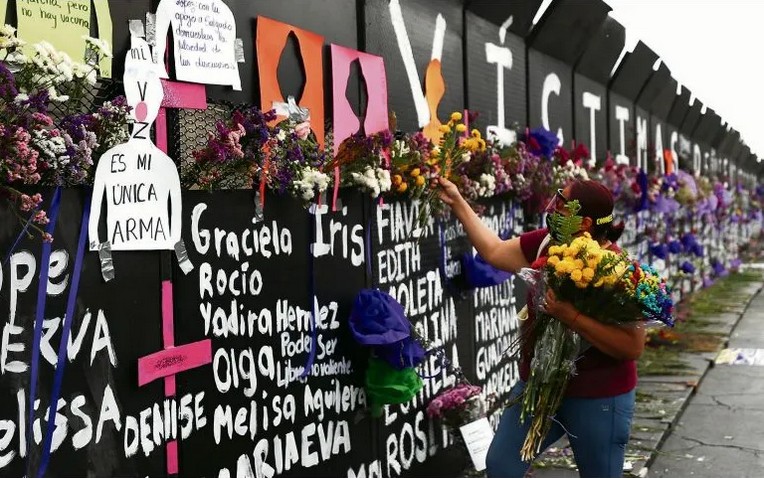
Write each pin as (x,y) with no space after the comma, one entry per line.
(233,152)
(456,405)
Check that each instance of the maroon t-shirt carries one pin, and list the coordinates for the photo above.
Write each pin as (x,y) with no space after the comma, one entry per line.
(597,374)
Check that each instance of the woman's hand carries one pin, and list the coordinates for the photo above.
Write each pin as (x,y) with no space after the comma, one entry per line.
(559,309)
(448,193)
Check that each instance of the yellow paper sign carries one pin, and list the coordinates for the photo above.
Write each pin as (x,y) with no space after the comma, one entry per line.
(103,21)
(62,23)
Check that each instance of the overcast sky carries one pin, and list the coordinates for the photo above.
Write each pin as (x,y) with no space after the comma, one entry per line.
(713,47)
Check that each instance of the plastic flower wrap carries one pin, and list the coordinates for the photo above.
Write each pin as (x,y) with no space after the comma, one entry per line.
(457,406)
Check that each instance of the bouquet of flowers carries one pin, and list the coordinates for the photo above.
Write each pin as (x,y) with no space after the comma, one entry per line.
(364,162)
(454,149)
(410,164)
(602,284)
(458,406)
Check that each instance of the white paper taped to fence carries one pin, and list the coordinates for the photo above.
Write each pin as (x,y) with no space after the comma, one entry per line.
(137,178)
(204,33)
(741,357)
(477,437)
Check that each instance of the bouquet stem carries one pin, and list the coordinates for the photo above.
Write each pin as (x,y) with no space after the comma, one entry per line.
(552,367)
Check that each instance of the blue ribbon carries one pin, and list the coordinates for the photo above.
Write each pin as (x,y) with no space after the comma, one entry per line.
(42,292)
(312,293)
(68,318)
(20,236)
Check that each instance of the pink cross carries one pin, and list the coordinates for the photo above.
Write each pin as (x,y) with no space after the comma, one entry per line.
(173,360)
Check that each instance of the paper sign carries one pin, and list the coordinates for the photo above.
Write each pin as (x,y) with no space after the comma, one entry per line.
(103,21)
(477,437)
(3,9)
(137,178)
(204,35)
(270,43)
(60,23)
(741,357)
(373,70)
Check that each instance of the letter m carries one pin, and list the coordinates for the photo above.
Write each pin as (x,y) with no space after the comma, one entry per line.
(144,161)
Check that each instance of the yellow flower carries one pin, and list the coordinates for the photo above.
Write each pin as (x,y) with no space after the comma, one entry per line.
(402,187)
(415,172)
(588,274)
(553,260)
(460,128)
(600,282)
(578,264)
(554,250)
(420,180)
(592,262)
(560,268)
(581,285)
(576,275)
(397,179)
(456,116)
(572,251)
(444,128)
(476,133)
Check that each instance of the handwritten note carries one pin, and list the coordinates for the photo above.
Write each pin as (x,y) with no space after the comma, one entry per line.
(62,23)
(477,437)
(204,33)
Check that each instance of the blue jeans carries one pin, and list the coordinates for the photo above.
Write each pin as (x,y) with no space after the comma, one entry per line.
(598,430)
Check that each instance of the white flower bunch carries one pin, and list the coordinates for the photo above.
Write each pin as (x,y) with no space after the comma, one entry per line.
(311,179)
(8,39)
(373,180)
(49,145)
(569,171)
(487,185)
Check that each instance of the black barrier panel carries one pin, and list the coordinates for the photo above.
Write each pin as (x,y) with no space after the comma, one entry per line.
(664,100)
(383,35)
(567,27)
(590,115)
(644,148)
(659,141)
(633,72)
(495,321)
(599,59)
(621,126)
(522,13)
(656,83)
(496,72)
(691,118)
(250,294)
(549,95)
(113,325)
(422,274)
(679,108)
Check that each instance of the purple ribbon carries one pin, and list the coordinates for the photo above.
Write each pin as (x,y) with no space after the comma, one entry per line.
(68,318)
(42,292)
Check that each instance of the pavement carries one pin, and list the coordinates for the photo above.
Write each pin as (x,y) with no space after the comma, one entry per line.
(705,422)
(720,432)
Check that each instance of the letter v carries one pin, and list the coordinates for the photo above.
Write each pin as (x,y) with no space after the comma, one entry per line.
(407,54)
